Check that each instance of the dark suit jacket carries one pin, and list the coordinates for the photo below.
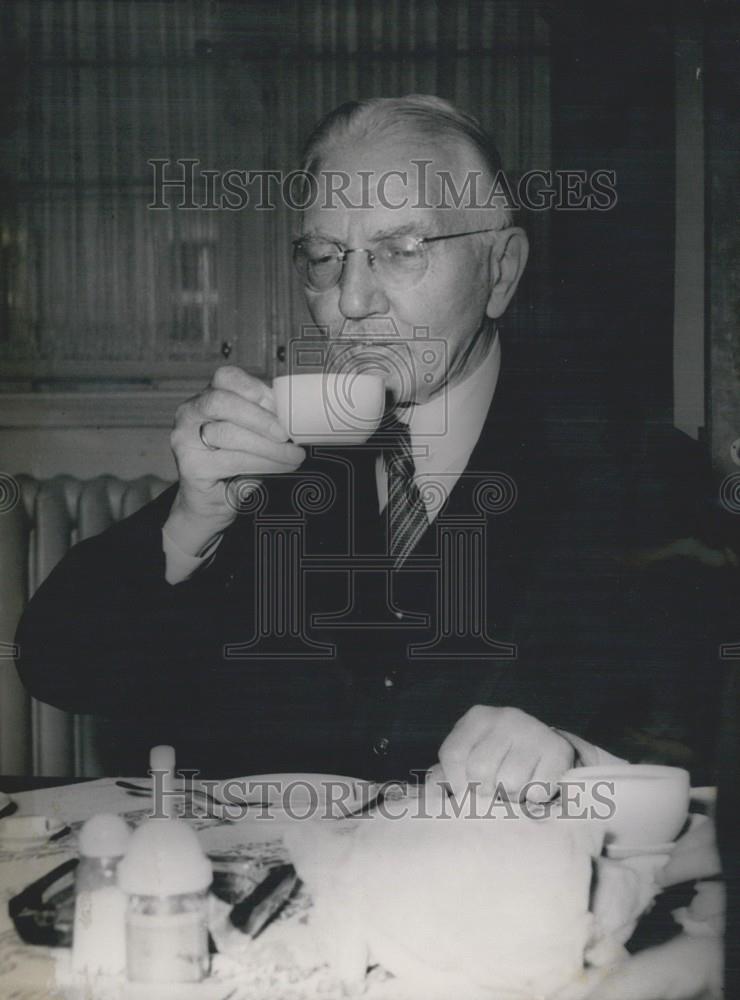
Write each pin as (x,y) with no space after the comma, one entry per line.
(298,648)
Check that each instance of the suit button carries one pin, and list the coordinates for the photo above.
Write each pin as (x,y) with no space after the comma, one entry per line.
(381,746)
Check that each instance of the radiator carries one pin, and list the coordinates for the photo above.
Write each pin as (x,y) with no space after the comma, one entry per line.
(40,520)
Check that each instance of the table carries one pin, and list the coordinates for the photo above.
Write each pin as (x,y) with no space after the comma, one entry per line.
(33,973)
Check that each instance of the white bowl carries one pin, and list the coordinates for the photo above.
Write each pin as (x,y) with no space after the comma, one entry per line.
(641,804)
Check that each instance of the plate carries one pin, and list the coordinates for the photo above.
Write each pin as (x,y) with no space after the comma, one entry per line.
(298,795)
(621,851)
(28,831)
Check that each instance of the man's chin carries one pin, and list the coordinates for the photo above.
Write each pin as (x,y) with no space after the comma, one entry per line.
(399,389)
(398,369)
(407,395)
(398,394)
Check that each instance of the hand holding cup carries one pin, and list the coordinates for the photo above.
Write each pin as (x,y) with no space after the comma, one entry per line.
(229,430)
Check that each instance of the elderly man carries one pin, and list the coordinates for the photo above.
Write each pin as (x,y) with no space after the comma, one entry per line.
(157,622)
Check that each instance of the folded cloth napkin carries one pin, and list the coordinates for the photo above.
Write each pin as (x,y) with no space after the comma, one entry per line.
(625,889)
(462,906)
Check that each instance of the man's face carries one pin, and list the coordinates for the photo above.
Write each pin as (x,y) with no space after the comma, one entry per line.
(445,308)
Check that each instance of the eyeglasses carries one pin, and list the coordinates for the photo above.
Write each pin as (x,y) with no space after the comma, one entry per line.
(399,261)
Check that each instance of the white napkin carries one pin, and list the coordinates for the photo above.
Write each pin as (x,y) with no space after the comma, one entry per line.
(474,907)
(625,889)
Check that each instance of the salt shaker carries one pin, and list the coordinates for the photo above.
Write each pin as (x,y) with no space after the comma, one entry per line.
(99,930)
(166,877)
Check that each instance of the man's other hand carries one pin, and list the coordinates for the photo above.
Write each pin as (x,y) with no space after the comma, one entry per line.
(235,417)
(503,749)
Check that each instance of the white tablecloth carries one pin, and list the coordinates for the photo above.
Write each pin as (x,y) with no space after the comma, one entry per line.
(36,973)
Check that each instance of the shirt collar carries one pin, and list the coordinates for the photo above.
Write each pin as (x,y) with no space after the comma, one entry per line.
(445,430)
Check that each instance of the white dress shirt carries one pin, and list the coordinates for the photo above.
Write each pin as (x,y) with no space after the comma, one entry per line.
(445,430)
(179,565)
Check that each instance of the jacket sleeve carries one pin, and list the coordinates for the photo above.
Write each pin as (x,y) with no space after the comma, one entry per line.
(106,634)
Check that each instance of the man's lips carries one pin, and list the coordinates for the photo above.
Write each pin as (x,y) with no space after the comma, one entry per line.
(370,341)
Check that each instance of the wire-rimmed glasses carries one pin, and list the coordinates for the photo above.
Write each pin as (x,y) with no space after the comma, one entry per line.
(399,261)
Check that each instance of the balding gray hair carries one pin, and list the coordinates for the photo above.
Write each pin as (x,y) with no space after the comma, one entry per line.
(421,115)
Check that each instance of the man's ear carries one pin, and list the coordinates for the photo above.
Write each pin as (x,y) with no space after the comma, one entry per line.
(508,259)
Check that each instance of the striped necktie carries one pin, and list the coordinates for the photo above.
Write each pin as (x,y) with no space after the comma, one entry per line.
(407,515)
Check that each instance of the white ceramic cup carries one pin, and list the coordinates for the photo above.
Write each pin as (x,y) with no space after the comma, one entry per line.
(341,408)
(642,805)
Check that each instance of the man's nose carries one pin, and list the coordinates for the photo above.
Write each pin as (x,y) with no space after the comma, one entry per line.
(360,293)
